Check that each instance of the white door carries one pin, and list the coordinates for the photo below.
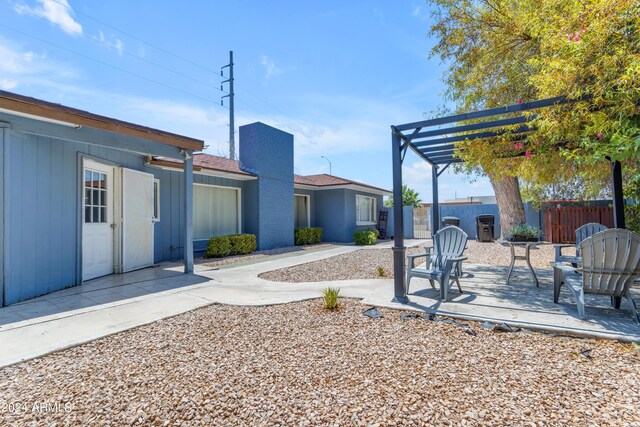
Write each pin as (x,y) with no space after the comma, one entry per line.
(97,211)
(137,220)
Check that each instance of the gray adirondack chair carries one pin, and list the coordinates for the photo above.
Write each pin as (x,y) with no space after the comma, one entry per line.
(610,265)
(442,266)
(582,232)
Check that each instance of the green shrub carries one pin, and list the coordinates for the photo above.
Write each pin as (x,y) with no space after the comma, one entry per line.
(331,298)
(218,247)
(364,237)
(380,271)
(307,236)
(242,244)
(632,217)
(233,244)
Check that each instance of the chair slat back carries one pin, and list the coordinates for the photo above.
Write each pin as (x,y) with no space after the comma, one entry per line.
(610,261)
(585,231)
(450,243)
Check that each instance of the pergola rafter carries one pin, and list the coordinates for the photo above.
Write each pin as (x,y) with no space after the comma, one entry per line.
(435,143)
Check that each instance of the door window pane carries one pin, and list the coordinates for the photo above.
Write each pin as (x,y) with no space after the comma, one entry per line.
(95,197)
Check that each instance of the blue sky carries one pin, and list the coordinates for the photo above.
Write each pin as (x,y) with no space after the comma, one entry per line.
(334,74)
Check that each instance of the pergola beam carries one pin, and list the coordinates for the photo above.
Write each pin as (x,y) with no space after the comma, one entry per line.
(525,106)
(480,135)
(476,126)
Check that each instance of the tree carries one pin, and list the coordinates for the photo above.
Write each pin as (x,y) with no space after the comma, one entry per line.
(409,198)
(502,51)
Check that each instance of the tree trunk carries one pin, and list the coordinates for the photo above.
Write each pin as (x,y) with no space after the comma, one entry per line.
(509,201)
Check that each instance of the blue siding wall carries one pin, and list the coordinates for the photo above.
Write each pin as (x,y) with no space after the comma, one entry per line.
(42,211)
(350,213)
(268,153)
(336,213)
(169,232)
(330,215)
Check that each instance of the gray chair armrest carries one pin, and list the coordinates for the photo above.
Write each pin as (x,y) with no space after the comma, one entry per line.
(411,258)
(452,262)
(428,248)
(558,249)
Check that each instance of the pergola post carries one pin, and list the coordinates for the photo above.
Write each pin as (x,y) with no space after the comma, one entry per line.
(399,290)
(618,198)
(435,208)
(188,211)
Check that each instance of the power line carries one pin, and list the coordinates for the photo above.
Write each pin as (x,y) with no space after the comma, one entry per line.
(182,58)
(111,66)
(94,40)
(138,38)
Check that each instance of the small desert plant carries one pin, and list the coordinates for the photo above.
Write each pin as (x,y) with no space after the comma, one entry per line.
(380,271)
(331,298)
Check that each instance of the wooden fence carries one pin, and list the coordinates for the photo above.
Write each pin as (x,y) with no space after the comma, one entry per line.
(560,223)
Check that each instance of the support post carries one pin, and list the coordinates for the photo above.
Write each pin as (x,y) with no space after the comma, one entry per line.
(399,289)
(618,198)
(435,208)
(188,212)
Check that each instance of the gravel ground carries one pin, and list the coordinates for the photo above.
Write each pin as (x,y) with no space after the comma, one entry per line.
(298,364)
(216,262)
(364,263)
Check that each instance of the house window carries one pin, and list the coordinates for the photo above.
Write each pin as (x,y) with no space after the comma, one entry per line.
(95,197)
(216,211)
(156,200)
(365,210)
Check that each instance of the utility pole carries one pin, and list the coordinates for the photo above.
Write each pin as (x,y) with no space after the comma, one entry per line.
(232,141)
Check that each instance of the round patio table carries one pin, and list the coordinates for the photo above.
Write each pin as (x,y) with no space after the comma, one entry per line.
(526,257)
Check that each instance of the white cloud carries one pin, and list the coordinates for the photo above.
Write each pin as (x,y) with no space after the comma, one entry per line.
(8,84)
(20,66)
(270,66)
(113,42)
(141,50)
(57,12)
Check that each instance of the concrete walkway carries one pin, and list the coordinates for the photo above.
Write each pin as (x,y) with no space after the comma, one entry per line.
(120,302)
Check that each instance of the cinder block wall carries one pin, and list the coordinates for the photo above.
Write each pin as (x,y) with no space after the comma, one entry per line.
(268,153)
(468,213)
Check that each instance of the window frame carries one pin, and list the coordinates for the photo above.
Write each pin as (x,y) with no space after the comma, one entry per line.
(373,206)
(238,204)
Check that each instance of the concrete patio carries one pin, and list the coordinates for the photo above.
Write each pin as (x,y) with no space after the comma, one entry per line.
(119,302)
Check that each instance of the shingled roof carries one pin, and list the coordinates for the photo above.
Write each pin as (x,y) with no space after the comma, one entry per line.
(222,164)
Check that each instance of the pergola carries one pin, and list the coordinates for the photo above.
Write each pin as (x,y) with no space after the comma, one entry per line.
(435,140)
